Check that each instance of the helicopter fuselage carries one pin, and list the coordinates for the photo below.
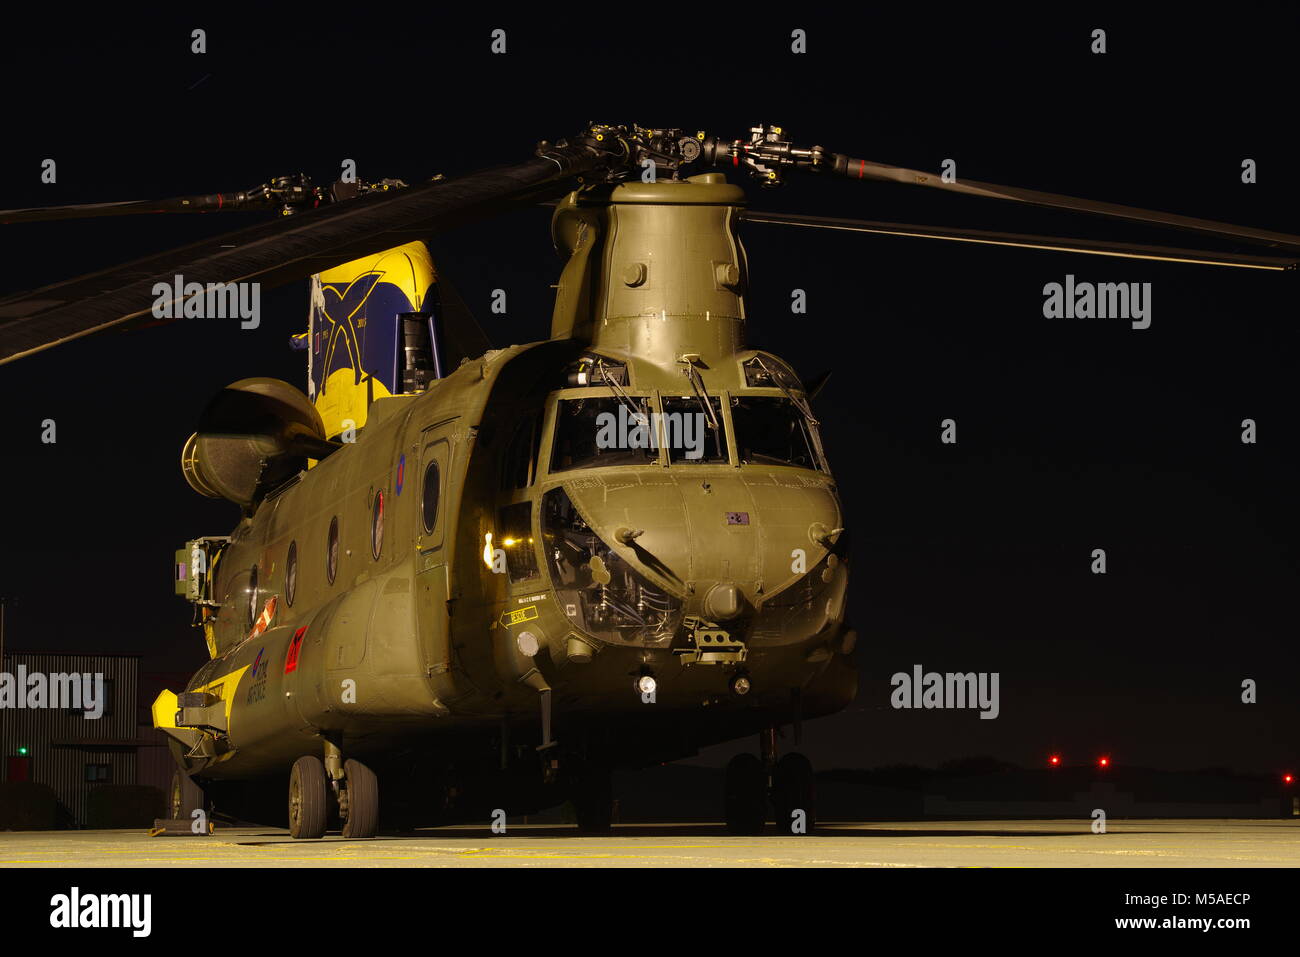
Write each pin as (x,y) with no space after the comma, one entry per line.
(608,549)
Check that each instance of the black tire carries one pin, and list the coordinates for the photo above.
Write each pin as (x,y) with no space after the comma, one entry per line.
(794,788)
(308,799)
(185,798)
(593,800)
(363,801)
(745,795)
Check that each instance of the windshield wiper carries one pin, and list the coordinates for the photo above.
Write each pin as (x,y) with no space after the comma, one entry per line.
(622,396)
(701,393)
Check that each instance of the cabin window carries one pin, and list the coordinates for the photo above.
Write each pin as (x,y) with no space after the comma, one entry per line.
(332,550)
(291,573)
(599,431)
(429,498)
(771,431)
(377,525)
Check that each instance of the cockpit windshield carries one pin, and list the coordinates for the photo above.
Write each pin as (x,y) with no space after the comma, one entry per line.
(598,431)
(693,433)
(770,430)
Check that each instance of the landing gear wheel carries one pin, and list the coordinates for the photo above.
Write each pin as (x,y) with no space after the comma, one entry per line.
(185,797)
(794,789)
(362,819)
(593,800)
(745,795)
(308,804)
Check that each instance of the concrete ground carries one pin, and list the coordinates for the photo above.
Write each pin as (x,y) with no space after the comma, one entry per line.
(1061,843)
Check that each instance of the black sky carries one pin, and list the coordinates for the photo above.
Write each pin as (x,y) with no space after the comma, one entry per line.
(1073,434)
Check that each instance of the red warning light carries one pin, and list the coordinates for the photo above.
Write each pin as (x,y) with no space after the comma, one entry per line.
(1288,779)
(1054,760)
(1103,762)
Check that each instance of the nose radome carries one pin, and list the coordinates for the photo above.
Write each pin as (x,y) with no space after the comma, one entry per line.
(722,603)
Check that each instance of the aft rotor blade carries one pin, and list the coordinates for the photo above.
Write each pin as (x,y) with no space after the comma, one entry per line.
(462,336)
(1089,247)
(854,168)
(289,248)
(179,204)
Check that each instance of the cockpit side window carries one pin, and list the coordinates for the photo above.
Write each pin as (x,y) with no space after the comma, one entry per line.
(519,467)
(771,431)
(599,431)
(768,372)
(516,524)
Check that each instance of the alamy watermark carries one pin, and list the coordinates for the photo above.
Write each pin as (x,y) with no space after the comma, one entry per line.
(75,909)
(216,300)
(649,430)
(1102,300)
(35,689)
(947,690)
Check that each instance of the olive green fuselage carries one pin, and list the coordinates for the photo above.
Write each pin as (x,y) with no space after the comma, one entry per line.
(511,560)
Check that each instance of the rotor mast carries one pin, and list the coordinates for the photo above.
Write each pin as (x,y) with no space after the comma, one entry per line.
(655,270)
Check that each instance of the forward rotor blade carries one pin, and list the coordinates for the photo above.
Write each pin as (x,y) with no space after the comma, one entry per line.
(289,248)
(1089,247)
(855,168)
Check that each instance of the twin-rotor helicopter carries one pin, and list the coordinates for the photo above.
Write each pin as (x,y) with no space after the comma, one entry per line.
(467,579)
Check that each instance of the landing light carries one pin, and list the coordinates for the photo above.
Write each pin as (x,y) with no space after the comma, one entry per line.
(740,685)
(487,550)
(646,684)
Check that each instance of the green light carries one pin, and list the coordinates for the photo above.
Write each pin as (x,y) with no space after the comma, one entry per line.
(22,752)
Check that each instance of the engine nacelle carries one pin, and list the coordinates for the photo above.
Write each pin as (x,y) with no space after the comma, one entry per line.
(254,435)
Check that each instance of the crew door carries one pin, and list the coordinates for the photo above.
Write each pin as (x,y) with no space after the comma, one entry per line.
(433,576)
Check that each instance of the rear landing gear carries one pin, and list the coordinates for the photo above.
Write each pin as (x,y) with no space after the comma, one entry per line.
(185,798)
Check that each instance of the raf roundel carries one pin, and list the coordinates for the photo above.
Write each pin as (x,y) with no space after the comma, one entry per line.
(401,475)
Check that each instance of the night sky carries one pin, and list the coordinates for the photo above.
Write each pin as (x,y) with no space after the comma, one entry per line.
(1072,434)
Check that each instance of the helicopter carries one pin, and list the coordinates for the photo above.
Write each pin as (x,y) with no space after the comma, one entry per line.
(454,592)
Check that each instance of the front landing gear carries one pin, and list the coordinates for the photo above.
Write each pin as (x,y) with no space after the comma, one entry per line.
(359,801)
(794,794)
(354,785)
(789,782)
(745,795)
(308,801)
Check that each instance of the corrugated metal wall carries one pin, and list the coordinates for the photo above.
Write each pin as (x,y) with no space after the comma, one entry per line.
(62,743)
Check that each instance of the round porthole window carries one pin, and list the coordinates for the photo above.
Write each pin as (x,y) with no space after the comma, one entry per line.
(377,525)
(332,551)
(291,573)
(429,502)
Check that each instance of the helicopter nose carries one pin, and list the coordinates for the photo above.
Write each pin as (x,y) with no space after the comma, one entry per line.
(722,603)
